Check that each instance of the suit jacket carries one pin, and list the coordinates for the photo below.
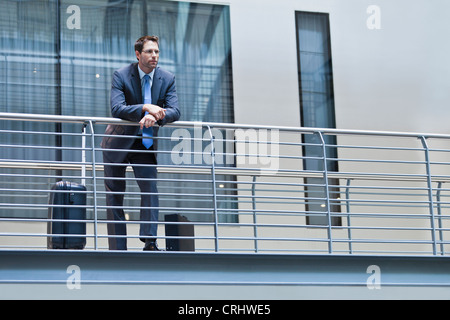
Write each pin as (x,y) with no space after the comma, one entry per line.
(127,102)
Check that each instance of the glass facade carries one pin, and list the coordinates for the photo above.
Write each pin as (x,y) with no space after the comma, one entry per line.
(57,57)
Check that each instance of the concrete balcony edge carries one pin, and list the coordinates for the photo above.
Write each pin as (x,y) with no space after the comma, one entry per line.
(221,275)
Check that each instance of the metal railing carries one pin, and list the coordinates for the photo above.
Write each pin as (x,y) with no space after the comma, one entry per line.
(243,188)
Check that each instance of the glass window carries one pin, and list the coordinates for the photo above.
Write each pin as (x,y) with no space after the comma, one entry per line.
(317,109)
(58,57)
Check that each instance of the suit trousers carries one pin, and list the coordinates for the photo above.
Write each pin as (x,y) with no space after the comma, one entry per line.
(146,180)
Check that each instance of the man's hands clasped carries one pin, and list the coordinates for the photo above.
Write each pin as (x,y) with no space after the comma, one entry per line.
(155,113)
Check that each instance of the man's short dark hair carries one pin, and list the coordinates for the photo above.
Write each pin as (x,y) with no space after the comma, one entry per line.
(139,44)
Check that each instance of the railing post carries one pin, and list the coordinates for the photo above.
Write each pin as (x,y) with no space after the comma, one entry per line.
(255,227)
(214,187)
(430,192)
(439,211)
(347,204)
(327,190)
(94,183)
(83,154)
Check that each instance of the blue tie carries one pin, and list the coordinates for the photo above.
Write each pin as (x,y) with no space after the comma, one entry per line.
(147,132)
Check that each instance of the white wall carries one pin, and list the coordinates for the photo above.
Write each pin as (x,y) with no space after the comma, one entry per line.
(395,78)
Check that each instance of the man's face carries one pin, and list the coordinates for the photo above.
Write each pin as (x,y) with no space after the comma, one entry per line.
(148,58)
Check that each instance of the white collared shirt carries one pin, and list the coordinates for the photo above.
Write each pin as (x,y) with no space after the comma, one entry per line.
(142,74)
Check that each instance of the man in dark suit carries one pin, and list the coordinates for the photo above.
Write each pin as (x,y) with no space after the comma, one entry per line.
(140,92)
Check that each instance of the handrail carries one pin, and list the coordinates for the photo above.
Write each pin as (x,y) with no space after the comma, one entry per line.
(108,120)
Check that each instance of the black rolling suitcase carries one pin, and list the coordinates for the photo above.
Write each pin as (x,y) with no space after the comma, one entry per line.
(61,209)
(182,230)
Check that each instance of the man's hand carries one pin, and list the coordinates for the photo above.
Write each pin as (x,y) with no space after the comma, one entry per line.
(157,112)
(147,121)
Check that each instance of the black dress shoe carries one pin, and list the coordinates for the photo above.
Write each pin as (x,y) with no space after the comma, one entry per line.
(151,246)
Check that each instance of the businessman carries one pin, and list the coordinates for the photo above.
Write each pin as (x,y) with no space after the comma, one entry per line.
(146,94)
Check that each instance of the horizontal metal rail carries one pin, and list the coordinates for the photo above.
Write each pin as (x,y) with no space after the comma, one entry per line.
(242,188)
(192,124)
